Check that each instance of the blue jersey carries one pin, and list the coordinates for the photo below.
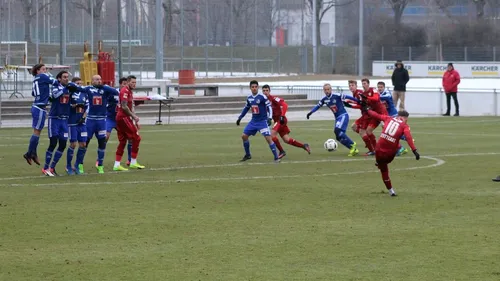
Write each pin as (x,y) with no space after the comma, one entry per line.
(98,101)
(112,104)
(261,108)
(79,104)
(388,102)
(60,98)
(334,101)
(41,88)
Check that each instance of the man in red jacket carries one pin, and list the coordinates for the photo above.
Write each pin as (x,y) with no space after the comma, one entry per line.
(451,79)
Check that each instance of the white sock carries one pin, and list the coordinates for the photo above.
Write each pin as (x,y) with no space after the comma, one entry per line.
(133,161)
(117,164)
(391,191)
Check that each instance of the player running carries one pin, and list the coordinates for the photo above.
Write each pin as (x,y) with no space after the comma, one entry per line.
(372,98)
(388,142)
(261,120)
(77,128)
(125,128)
(281,123)
(58,123)
(335,101)
(388,102)
(98,96)
(41,93)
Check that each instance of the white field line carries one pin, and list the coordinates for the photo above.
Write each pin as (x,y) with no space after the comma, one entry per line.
(244,165)
(435,158)
(438,162)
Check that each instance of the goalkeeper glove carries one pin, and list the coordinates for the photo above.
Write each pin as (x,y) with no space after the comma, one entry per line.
(238,122)
(308,115)
(282,120)
(417,155)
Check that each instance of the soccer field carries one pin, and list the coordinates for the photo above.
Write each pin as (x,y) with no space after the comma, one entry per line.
(196,213)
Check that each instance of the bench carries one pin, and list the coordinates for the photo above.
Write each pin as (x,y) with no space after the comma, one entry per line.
(209,89)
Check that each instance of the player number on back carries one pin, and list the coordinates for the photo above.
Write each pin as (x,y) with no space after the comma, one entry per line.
(391,128)
(255,109)
(36,90)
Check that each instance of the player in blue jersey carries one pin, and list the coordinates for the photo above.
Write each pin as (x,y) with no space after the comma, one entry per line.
(388,102)
(58,123)
(41,92)
(77,128)
(335,101)
(262,114)
(98,96)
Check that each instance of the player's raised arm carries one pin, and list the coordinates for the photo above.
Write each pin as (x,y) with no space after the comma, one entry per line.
(348,97)
(243,112)
(49,80)
(57,92)
(377,116)
(316,107)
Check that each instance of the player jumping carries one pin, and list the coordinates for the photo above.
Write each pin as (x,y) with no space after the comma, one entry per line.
(281,123)
(388,142)
(58,124)
(335,101)
(41,93)
(125,128)
(77,128)
(388,102)
(261,120)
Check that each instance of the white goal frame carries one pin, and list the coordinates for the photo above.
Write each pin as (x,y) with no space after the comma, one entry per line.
(9,43)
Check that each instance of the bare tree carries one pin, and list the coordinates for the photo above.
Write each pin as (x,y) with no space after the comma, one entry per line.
(241,13)
(480,4)
(270,18)
(97,8)
(29,12)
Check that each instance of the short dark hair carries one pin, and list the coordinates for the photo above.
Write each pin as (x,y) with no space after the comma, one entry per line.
(36,67)
(60,74)
(130,77)
(254,82)
(123,79)
(365,80)
(266,87)
(352,82)
(381,83)
(76,79)
(403,113)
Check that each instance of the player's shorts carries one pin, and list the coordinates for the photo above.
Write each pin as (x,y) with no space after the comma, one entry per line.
(110,124)
(38,116)
(257,126)
(342,122)
(362,122)
(58,128)
(97,128)
(384,157)
(281,129)
(78,133)
(373,123)
(126,129)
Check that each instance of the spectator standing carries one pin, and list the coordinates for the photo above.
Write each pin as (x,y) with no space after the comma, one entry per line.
(400,78)
(451,79)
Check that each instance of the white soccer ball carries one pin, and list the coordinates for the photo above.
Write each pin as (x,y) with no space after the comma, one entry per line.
(331,145)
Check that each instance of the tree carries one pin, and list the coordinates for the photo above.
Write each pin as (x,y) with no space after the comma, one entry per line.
(323,6)
(480,4)
(97,7)
(241,13)
(271,18)
(29,12)
(398,7)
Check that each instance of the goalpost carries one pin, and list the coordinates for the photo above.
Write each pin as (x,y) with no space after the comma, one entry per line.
(13,52)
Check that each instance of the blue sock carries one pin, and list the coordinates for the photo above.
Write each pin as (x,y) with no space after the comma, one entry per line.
(33,144)
(403,138)
(129,151)
(80,155)
(69,157)
(246,145)
(48,158)
(346,141)
(272,146)
(56,158)
(100,156)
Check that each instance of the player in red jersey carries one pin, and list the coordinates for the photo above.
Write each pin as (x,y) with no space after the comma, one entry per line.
(372,98)
(361,124)
(125,129)
(281,123)
(388,142)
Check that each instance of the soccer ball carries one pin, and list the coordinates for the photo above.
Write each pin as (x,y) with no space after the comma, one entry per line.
(331,145)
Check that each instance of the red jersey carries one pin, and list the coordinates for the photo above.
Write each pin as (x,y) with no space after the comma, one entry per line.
(394,129)
(355,94)
(125,95)
(279,107)
(374,101)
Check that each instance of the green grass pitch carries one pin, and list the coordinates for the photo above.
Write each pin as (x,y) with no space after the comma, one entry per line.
(196,213)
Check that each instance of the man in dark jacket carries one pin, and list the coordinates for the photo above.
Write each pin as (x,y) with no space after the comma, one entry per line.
(399,78)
